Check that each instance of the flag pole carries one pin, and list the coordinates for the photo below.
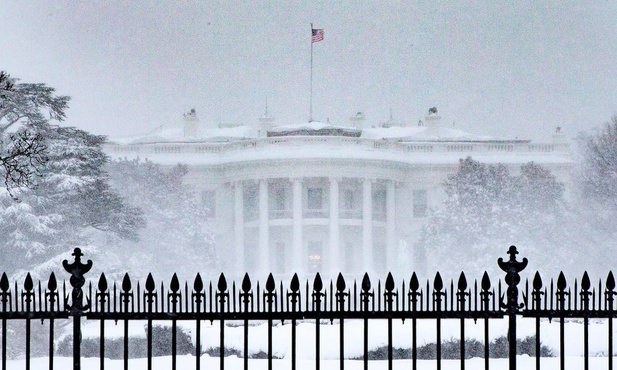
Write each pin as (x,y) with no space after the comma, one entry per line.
(311,87)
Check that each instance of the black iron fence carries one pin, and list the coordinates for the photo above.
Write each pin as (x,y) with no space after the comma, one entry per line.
(336,301)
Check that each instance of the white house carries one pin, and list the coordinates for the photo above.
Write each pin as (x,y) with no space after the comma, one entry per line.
(319,197)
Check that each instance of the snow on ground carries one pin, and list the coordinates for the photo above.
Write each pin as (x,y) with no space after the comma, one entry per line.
(426,333)
(188,363)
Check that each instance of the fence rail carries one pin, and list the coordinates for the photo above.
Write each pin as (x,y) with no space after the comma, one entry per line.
(291,302)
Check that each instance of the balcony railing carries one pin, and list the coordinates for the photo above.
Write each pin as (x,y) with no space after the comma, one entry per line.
(277,214)
(219,148)
(316,213)
(351,214)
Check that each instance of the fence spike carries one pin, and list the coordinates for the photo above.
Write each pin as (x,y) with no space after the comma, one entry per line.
(126,283)
(174,286)
(4,282)
(561,282)
(462,282)
(198,284)
(537,281)
(475,294)
(331,296)
(222,284)
(486,282)
(414,284)
(317,283)
(150,286)
(210,296)
(294,286)
(233,296)
(307,295)
(246,283)
(438,283)
(28,284)
(102,286)
(366,283)
(585,282)
(258,295)
(162,297)
(378,295)
(403,294)
(610,281)
(138,296)
(355,295)
(389,283)
(52,284)
(270,285)
(340,283)
(599,293)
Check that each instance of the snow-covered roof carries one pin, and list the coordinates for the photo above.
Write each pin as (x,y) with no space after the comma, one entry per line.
(313,125)
(421,133)
(176,134)
(430,144)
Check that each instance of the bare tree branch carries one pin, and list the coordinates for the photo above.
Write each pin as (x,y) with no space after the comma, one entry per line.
(24,155)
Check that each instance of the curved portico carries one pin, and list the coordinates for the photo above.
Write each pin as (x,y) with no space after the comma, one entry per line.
(314,223)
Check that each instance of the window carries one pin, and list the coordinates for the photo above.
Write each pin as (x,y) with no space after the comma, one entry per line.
(314,198)
(350,208)
(208,200)
(279,199)
(349,199)
(379,204)
(251,205)
(420,203)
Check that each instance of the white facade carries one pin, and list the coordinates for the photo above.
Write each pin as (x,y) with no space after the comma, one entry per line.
(317,197)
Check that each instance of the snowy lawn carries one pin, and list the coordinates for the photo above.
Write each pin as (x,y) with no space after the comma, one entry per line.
(426,333)
(188,362)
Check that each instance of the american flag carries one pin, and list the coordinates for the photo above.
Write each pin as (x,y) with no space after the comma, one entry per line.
(317,35)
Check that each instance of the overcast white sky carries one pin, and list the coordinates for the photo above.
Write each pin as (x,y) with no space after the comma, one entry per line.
(513,69)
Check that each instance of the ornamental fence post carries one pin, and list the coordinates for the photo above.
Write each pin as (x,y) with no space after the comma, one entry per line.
(512,267)
(77,308)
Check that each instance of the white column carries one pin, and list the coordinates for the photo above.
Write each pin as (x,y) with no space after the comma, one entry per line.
(239,226)
(391,255)
(367,225)
(299,258)
(333,256)
(264,232)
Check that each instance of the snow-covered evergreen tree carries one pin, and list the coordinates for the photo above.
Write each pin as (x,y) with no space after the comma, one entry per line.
(21,150)
(177,224)
(55,188)
(487,209)
(72,197)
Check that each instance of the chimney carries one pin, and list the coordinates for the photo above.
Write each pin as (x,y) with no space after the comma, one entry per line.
(357,121)
(191,124)
(558,137)
(433,122)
